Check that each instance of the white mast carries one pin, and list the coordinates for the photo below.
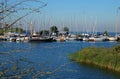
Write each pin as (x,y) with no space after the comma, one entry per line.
(3,11)
(117,21)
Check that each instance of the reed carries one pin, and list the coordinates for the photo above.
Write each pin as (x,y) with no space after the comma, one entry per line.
(108,58)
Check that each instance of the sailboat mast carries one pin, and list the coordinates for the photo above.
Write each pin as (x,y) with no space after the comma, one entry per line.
(3,12)
(117,22)
(31,28)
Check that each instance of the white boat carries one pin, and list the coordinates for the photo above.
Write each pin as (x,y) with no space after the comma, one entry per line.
(60,39)
(18,39)
(85,38)
(91,38)
(22,37)
(96,38)
(71,38)
(36,37)
(79,39)
(26,38)
(112,38)
(10,36)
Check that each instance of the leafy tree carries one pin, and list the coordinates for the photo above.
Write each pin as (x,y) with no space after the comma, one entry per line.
(18,30)
(1,31)
(44,32)
(105,32)
(65,29)
(54,29)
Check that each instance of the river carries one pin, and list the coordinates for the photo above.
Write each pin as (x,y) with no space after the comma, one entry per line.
(52,58)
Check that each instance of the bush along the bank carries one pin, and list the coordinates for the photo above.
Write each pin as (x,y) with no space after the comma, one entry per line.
(103,57)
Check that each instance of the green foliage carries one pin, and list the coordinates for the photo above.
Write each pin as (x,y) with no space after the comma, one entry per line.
(117,49)
(54,29)
(104,57)
(1,31)
(105,32)
(17,29)
(12,67)
(65,29)
(44,32)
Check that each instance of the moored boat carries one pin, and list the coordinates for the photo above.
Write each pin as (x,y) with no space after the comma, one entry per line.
(112,38)
(60,39)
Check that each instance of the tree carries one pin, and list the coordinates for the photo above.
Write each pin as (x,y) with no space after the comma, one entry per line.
(66,29)
(19,9)
(1,31)
(54,29)
(44,32)
(105,32)
(18,30)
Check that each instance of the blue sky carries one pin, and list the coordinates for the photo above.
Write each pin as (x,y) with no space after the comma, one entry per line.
(78,15)
(82,14)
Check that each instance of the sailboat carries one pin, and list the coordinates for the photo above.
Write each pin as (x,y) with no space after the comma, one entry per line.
(37,38)
(95,37)
(85,35)
(115,38)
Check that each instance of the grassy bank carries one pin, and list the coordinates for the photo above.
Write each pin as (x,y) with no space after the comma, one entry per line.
(108,58)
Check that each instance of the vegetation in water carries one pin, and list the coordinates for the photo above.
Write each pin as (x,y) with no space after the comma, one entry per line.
(12,67)
(108,58)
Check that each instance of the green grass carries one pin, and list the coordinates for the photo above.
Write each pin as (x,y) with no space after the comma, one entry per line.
(108,58)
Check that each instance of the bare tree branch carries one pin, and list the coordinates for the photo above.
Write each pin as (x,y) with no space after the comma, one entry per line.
(10,10)
(34,10)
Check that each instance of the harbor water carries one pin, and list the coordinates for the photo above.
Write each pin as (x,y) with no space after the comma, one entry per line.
(52,57)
